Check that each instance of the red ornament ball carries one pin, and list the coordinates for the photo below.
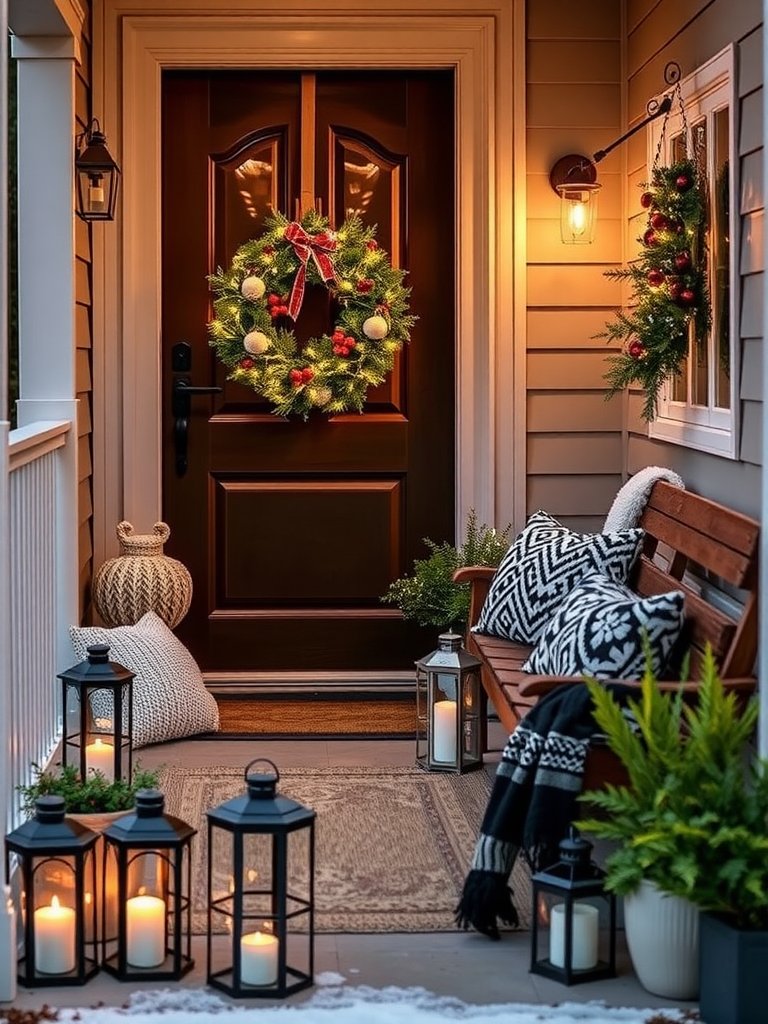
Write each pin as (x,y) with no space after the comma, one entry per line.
(659,222)
(636,349)
(307,374)
(683,182)
(686,297)
(649,238)
(674,290)
(372,245)
(246,363)
(655,278)
(646,200)
(683,260)
(364,285)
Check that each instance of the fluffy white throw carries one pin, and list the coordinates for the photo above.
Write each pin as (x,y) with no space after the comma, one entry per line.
(629,503)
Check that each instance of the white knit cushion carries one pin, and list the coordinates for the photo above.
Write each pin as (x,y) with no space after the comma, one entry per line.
(598,631)
(169,697)
(541,568)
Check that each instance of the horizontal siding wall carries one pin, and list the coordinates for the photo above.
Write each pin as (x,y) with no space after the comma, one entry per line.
(691,33)
(574,441)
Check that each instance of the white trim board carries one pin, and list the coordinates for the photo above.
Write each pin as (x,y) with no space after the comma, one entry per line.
(130,51)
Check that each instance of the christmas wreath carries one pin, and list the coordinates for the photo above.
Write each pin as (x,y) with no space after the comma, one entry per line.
(669,292)
(259,297)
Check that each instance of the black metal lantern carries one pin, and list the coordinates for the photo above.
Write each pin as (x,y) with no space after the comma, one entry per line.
(448,708)
(98,176)
(56,863)
(146,905)
(567,901)
(261,866)
(97,702)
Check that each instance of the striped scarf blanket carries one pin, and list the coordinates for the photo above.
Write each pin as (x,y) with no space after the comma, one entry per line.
(532,803)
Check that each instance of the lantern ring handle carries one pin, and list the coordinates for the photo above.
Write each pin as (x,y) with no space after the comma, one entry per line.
(262,760)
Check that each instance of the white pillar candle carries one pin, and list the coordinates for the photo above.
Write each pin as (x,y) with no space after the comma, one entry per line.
(145,931)
(54,939)
(258,959)
(444,730)
(100,756)
(585,929)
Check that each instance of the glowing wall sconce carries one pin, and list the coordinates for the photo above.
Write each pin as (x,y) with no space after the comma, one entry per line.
(574,177)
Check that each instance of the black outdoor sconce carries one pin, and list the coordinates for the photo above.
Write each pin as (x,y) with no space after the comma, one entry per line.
(97,174)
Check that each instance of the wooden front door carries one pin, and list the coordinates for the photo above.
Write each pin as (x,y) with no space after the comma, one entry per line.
(292,530)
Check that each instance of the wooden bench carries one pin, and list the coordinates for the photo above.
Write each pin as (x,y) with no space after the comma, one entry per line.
(682,530)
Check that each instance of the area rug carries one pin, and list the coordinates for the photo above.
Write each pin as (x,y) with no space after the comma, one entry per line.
(393,844)
(341,1005)
(271,716)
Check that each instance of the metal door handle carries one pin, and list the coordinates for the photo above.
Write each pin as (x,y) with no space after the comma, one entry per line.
(181,409)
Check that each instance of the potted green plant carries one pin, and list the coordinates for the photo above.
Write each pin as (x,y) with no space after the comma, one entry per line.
(693,823)
(94,800)
(429,596)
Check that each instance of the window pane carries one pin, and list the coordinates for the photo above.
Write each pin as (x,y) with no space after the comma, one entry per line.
(700,369)
(720,280)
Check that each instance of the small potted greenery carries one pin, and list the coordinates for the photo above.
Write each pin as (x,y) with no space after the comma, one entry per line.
(429,596)
(94,801)
(694,824)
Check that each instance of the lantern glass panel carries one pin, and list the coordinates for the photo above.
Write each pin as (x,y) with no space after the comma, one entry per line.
(471,707)
(590,931)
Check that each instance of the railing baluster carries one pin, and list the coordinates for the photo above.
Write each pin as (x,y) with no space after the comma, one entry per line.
(35,715)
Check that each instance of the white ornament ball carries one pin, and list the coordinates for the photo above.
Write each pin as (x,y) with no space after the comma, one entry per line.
(321,396)
(252,288)
(375,327)
(256,342)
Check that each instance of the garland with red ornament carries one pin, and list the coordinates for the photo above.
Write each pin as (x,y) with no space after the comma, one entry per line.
(259,297)
(669,291)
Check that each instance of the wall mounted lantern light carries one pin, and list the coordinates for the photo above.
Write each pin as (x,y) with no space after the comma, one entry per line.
(98,176)
(574,177)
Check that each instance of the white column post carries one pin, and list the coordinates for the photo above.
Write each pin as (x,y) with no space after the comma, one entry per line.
(5,545)
(46,117)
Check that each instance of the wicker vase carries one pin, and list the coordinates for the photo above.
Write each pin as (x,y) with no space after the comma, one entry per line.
(142,579)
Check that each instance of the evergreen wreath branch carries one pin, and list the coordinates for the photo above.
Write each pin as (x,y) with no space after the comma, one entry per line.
(668,284)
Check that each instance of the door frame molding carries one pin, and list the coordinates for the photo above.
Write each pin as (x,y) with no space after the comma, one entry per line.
(135,39)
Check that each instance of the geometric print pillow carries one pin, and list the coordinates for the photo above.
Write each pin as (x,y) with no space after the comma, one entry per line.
(542,567)
(598,631)
(170,700)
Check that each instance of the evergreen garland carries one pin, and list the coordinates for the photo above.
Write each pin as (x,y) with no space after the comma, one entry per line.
(252,332)
(669,292)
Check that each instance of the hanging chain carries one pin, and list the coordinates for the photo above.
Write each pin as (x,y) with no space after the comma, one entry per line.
(671,77)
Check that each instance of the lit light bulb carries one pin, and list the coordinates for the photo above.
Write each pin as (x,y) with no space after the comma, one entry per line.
(577,217)
(96,198)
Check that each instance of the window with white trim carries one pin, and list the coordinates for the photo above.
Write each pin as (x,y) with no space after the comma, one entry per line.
(698,406)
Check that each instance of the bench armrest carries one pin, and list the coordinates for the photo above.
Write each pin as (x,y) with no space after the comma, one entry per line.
(479,579)
(539,685)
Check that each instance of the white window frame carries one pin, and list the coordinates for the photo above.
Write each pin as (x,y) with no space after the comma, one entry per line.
(706,428)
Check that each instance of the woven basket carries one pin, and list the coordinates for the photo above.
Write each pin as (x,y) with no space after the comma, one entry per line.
(142,579)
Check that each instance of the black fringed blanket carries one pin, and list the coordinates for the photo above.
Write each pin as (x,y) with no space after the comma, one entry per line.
(532,803)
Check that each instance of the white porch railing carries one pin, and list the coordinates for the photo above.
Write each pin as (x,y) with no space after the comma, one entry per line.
(34,463)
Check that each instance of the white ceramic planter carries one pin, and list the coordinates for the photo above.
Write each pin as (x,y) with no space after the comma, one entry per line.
(663,939)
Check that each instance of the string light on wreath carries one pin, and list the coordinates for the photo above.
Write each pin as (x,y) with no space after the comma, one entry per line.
(259,298)
(669,292)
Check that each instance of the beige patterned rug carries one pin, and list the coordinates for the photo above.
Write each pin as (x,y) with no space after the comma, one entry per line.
(393,844)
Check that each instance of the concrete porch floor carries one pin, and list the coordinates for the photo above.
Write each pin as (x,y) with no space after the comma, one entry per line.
(465,965)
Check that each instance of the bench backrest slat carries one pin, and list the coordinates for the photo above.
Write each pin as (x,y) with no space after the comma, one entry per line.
(705,623)
(717,540)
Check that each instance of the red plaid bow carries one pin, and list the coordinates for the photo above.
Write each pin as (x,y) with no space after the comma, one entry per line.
(317,246)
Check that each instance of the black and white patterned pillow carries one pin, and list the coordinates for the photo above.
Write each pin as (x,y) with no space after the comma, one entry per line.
(169,696)
(598,631)
(541,568)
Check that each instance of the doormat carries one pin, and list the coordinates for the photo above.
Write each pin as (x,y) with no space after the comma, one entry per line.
(350,716)
(393,844)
